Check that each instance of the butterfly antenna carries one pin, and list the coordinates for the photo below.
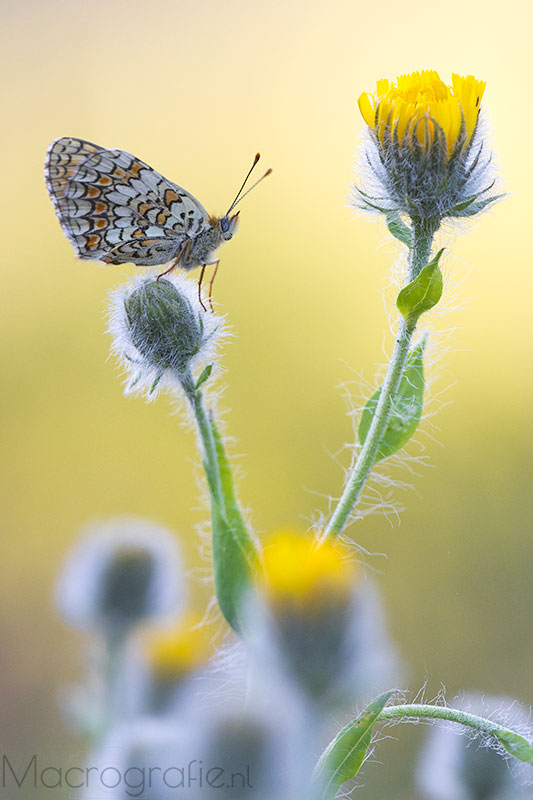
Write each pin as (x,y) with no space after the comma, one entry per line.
(239,196)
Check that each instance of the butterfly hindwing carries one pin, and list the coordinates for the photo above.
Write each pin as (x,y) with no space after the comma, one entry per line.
(114,207)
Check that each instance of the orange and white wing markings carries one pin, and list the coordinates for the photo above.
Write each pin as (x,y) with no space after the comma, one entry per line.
(115,208)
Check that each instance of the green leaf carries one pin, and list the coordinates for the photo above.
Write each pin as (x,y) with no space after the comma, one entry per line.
(235,553)
(516,745)
(474,206)
(343,757)
(422,293)
(205,374)
(398,228)
(407,407)
(366,198)
(135,381)
(155,384)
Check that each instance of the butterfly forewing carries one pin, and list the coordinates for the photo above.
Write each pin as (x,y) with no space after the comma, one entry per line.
(115,208)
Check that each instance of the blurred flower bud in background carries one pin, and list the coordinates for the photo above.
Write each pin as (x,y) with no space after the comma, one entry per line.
(253,738)
(166,657)
(316,611)
(122,571)
(139,759)
(456,766)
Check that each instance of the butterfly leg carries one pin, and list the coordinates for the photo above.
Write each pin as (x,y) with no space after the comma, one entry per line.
(177,260)
(200,287)
(216,263)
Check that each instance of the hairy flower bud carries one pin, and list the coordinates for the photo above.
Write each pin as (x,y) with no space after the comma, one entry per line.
(163,325)
(122,571)
(256,733)
(426,151)
(160,331)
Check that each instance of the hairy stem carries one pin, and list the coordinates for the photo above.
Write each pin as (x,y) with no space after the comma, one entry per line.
(423,711)
(422,237)
(195,398)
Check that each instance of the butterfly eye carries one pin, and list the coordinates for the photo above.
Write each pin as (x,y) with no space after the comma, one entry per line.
(224,224)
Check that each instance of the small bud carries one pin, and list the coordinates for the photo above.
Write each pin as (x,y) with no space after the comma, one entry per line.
(254,739)
(122,571)
(163,325)
(168,656)
(140,758)
(160,331)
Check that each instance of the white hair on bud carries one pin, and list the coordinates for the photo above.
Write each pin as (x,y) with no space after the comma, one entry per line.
(142,377)
(81,588)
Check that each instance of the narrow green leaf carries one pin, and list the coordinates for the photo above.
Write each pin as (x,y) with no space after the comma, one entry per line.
(368,204)
(235,554)
(423,292)
(366,198)
(516,745)
(205,374)
(474,206)
(398,228)
(155,384)
(343,757)
(472,199)
(407,407)
(135,381)
(465,204)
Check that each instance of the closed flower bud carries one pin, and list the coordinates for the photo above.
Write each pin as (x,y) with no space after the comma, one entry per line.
(253,740)
(142,758)
(426,155)
(122,571)
(163,326)
(160,331)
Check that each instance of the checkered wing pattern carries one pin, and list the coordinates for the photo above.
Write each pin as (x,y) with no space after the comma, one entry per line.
(115,208)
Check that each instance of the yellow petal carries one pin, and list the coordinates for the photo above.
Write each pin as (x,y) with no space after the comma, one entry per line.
(406,101)
(367,110)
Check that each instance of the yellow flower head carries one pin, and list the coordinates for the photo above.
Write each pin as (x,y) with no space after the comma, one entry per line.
(172,653)
(425,156)
(423,105)
(300,572)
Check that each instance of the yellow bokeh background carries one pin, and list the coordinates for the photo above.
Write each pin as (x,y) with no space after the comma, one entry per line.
(194,89)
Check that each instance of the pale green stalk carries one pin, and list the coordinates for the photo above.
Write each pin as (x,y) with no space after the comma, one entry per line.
(424,711)
(235,552)
(422,237)
(195,398)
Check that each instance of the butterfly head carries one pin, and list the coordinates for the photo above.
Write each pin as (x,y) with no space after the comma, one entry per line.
(227,226)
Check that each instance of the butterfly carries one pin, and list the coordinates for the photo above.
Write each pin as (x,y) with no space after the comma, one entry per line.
(115,208)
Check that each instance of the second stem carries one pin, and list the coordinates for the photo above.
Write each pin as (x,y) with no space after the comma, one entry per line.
(422,238)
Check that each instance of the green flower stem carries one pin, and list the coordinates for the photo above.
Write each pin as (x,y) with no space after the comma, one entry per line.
(112,677)
(236,554)
(423,232)
(422,237)
(195,398)
(423,711)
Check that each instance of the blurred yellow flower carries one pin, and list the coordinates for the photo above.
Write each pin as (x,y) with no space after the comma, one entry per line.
(299,571)
(419,102)
(171,653)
